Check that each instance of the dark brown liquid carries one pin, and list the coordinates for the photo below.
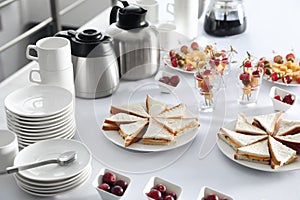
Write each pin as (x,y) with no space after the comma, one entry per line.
(224,27)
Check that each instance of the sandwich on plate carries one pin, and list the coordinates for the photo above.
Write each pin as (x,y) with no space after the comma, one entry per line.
(154,106)
(122,118)
(288,127)
(268,122)
(236,140)
(256,152)
(132,109)
(110,127)
(133,132)
(280,154)
(177,125)
(292,141)
(178,111)
(157,134)
(243,126)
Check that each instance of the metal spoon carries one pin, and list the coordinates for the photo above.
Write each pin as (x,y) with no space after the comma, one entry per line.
(62,160)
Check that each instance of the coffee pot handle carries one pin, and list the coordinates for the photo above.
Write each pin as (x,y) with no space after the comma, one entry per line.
(114,12)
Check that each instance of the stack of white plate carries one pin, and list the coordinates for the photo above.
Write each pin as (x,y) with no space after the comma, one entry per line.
(52,179)
(40,112)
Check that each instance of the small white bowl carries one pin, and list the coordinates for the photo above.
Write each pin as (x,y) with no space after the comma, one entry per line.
(279,105)
(104,194)
(171,187)
(206,191)
(165,88)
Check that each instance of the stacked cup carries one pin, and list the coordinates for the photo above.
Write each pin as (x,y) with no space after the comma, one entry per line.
(55,63)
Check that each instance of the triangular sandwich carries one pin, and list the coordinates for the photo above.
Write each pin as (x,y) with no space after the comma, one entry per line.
(133,109)
(268,122)
(178,111)
(288,127)
(243,126)
(176,126)
(157,134)
(292,141)
(256,152)
(154,106)
(133,132)
(110,127)
(236,140)
(280,154)
(122,118)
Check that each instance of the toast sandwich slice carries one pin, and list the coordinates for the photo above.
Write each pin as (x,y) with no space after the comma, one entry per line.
(122,118)
(178,111)
(268,122)
(132,109)
(243,126)
(288,127)
(154,106)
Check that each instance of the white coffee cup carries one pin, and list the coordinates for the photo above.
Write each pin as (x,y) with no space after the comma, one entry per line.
(53,53)
(152,10)
(185,16)
(63,78)
(8,148)
(169,37)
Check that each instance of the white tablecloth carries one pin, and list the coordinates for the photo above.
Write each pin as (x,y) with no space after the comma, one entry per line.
(272,26)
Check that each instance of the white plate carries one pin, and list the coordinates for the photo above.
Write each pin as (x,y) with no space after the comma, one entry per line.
(38,101)
(279,82)
(41,129)
(51,149)
(55,187)
(180,140)
(229,152)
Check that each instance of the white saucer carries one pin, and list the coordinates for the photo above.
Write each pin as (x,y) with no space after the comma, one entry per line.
(38,101)
(51,149)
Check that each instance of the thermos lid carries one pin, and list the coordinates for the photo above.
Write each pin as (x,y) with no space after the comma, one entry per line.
(88,43)
(131,17)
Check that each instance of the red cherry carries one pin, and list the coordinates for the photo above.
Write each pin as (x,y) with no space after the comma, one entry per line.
(168,197)
(170,193)
(274,76)
(289,99)
(290,57)
(117,190)
(287,79)
(161,187)
(174,62)
(123,184)
(154,193)
(217,62)
(277,97)
(211,197)
(199,77)
(109,178)
(298,79)
(278,59)
(195,46)
(244,76)
(104,186)
(247,64)
(256,73)
(172,53)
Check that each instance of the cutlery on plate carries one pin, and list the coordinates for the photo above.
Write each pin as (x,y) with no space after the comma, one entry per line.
(62,160)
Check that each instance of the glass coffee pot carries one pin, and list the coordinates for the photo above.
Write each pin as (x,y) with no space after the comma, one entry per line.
(225,18)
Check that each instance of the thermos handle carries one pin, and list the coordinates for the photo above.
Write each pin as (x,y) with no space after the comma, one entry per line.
(114,12)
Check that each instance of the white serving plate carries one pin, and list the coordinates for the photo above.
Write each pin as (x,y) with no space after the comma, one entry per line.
(279,82)
(229,152)
(208,190)
(180,140)
(38,101)
(167,61)
(51,149)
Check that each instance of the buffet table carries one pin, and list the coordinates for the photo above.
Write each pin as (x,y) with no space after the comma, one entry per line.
(272,26)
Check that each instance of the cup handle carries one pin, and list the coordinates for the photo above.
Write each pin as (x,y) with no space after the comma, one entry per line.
(31,76)
(170,8)
(28,56)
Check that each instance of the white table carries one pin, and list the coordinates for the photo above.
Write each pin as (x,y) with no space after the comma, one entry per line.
(272,25)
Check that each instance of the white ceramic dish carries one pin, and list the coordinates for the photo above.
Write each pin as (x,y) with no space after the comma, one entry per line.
(171,187)
(49,149)
(181,140)
(41,120)
(279,82)
(106,195)
(279,105)
(229,152)
(167,61)
(165,88)
(208,190)
(38,101)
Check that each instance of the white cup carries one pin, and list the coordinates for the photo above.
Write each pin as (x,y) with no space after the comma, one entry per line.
(8,148)
(185,16)
(169,37)
(152,10)
(63,78)
(53,53)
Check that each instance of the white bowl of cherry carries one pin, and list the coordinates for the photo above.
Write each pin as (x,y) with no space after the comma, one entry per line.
(282,99)
(167,81)
(111,185)
(207,193)
(158,188)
